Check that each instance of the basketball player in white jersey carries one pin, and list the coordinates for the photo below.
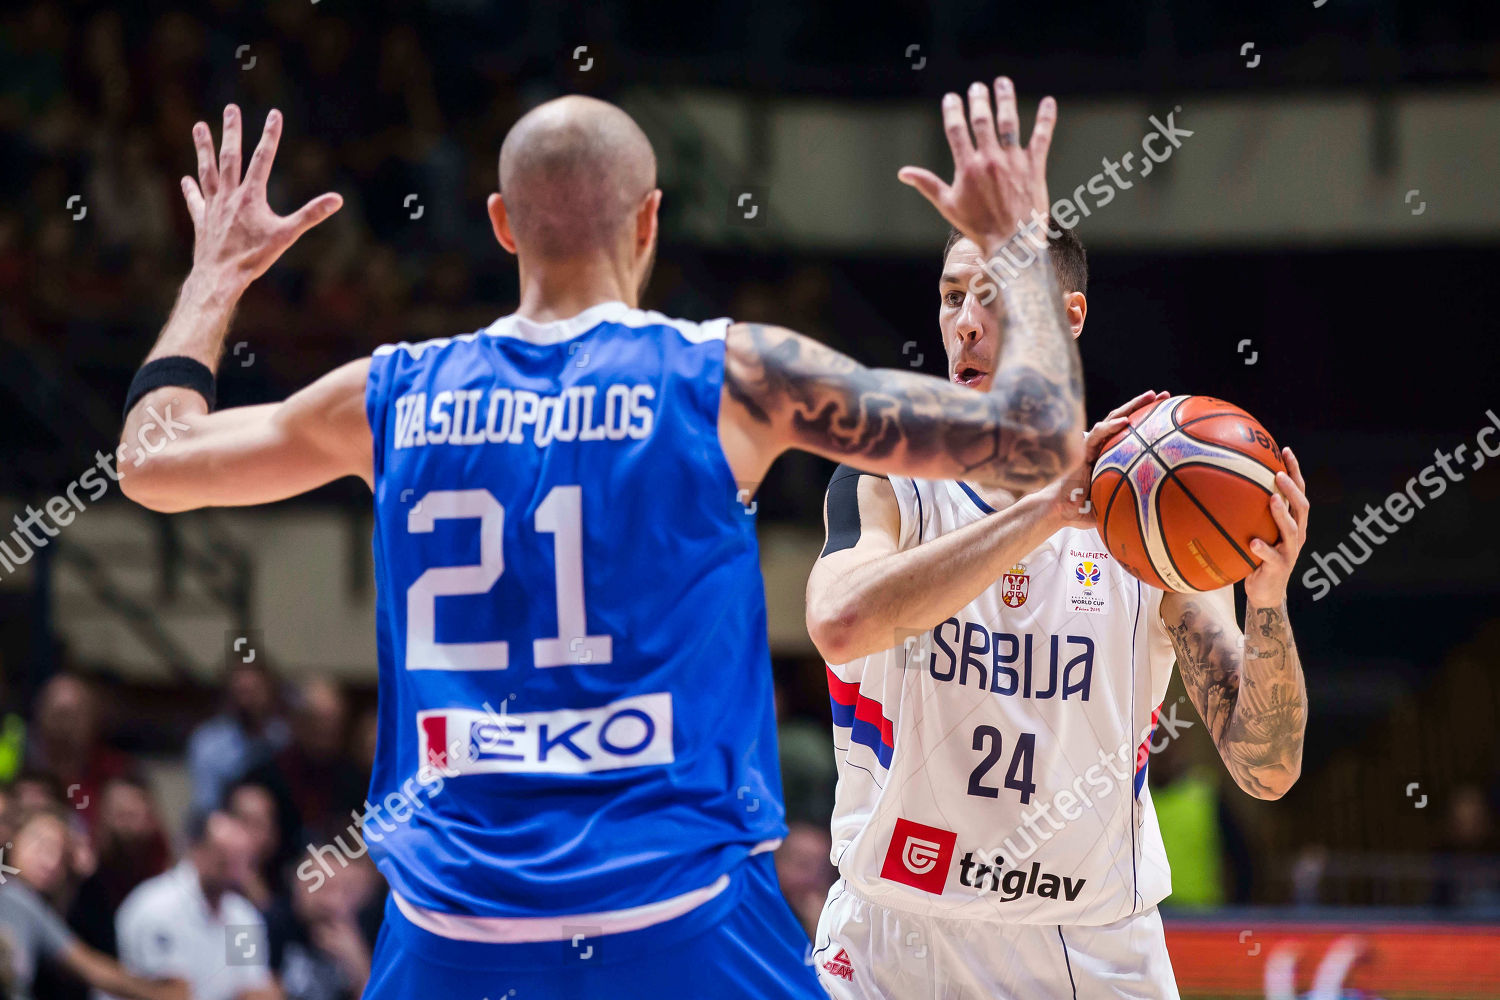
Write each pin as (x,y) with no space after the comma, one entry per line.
(995,679)
(520,840)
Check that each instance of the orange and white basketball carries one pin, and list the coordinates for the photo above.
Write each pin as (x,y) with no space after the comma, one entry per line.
(1180,493)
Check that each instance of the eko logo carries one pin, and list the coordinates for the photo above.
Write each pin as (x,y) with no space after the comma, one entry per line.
(631,732)
(919,856)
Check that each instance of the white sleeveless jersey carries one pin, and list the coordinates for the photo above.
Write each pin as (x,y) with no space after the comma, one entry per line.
(994,766)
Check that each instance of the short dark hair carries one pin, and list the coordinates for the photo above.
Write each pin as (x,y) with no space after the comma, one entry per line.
(1068,256)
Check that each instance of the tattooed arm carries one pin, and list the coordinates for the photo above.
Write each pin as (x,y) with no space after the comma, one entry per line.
(866,591)
(1249,687)
(783,390)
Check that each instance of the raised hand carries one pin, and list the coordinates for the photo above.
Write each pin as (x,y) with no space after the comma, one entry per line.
(997,183)
(236,236)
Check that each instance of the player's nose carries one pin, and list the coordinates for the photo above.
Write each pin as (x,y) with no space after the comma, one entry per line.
(970,321)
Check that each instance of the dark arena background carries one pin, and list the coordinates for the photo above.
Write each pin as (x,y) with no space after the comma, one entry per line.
(1320,246)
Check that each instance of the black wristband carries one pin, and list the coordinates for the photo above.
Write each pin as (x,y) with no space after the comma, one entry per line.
(176,370)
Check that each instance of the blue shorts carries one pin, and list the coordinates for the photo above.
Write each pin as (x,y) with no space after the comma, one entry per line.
(744,942)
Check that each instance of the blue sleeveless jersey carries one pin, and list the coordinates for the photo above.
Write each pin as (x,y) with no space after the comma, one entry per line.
(576,709)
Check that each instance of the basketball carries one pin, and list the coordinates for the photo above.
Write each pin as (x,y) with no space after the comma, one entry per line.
(1180,493)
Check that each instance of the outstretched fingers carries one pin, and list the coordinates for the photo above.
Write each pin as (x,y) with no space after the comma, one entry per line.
(313,212)
(982,119)
(208,164)
(1007,119)
(258,173)
(932,187)
(229,149)
(194,198)
(956,128)
(1041,134)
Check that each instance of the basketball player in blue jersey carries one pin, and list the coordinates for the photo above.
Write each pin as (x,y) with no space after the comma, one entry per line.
(576,770)
(992,676)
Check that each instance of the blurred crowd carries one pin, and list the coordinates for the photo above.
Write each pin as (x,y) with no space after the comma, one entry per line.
(96,108)
(402,116)
(148,878)
(94,896)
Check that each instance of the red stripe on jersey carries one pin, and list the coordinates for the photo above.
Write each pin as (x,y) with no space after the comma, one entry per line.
(866,709)
(1144,750)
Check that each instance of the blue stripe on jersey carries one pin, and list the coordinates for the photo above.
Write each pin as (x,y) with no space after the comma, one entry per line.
(1140,772)
(984,508)
(862,732)
(575,691)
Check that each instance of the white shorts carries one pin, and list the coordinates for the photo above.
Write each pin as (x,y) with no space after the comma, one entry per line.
(868,952)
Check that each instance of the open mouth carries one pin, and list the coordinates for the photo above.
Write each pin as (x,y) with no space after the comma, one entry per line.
(968,375)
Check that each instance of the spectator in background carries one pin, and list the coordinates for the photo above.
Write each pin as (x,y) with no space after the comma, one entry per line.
(1465,858)
(129,195)
(314,779)
(804,870)
(318,947)
(12,725)
(33,789)
(248,732)
(180,922)
(131,847)
(1211,862)
(366,731)
(37,863)
(66,744)
(254,805)
(809,773)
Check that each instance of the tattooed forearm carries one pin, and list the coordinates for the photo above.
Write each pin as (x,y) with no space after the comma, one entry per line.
(1022,434)
(1253,701)
(1037,334)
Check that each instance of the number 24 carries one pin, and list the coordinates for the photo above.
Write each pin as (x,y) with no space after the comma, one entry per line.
(1017,776)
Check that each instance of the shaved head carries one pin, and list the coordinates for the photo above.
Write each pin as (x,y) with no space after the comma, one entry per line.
(573,173)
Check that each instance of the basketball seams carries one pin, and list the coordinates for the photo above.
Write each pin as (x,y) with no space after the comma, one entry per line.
(1219,452)
(1155,508)
(1171,473)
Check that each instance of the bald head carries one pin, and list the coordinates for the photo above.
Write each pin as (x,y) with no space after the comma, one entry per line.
(573,173)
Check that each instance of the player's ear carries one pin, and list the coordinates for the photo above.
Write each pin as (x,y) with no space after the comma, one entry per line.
(645,220)
(1077,308)
(500,222)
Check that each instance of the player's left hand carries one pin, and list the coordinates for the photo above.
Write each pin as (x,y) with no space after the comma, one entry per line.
(1266,586)
(236,236)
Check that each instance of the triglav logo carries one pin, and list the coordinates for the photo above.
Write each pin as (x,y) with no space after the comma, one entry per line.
(919,856)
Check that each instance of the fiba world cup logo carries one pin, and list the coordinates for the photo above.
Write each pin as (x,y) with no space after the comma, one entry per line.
(1087,572)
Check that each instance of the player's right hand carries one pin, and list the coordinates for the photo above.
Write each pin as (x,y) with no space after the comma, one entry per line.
(998,185)
(1069,495)
(236,236)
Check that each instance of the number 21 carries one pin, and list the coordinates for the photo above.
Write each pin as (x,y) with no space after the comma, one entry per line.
(560,514)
